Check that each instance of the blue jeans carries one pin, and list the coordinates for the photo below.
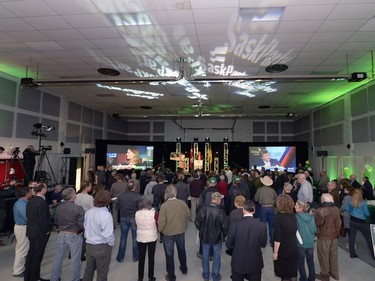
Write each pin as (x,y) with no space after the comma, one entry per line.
(125,224)
(168,243)
(68,242)
(267,214)
(309,253)
(206,248)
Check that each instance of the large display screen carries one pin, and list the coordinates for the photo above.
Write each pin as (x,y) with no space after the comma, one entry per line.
(126,157)
(271,157)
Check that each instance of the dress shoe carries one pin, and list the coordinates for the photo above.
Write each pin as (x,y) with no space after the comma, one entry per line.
(2,244)
(152,279)
(83,258)
(22,274)
(41,279)
(167,277)
(320,277)
(183,272)
(354,256)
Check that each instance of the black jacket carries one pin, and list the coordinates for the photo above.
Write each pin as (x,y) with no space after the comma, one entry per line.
(212,224)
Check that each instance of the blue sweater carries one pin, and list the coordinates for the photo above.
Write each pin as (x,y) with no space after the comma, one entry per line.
(360,212)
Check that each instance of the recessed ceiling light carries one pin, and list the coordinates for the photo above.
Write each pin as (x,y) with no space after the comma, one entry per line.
(276,68)
(108,71)
(261,14)
(129,19)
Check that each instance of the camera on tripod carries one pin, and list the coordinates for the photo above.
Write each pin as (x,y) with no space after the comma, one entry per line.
(45,148)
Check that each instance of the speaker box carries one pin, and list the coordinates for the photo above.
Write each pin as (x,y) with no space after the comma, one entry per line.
(322,153)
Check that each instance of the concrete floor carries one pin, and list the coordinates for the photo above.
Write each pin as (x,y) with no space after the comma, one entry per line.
(350,269)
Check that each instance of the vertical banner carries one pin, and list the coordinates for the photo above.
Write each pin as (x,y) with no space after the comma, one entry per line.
(207,155)
(178,152)
(216,163)
(226,153)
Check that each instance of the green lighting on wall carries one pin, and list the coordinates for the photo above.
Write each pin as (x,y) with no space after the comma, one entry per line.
(16,71)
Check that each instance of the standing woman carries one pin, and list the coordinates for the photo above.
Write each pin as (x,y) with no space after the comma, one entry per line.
(348,192)
(307,230)
(285,254)
(99,238)
(147,235)
(359,213)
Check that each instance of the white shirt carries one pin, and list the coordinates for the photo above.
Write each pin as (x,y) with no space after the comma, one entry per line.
(99,226)
(229,175)
(86,201)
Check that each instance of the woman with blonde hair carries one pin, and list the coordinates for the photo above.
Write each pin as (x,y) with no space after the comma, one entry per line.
(285,253)
(359,213)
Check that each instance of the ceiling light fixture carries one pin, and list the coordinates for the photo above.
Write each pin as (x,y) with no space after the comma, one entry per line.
(108,71)
(261,14)
(276,68)
(129,19)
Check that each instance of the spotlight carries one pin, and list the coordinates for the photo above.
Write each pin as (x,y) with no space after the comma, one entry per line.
(225,139)
(38,125)
(207,139)
(290,114)
(49,128)
(195,139)
(357,77)
(178,139)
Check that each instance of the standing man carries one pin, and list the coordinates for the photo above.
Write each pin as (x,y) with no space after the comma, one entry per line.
(212,224)
(328,222)
(117,188)
(127,206)
(173,221)
(69,219)
(158,191)
(266,197)
(183,192)
(39,226)
(305,192)
(246,236)
(22,243)
(229,175)
(334,191)
(196,187)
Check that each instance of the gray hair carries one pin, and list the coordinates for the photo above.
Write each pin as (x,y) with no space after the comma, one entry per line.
(68,193)
(326,197)
(170,192)
(146,202)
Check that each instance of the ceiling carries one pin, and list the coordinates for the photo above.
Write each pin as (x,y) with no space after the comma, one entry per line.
(172,53)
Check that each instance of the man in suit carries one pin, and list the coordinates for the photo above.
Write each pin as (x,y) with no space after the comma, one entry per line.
(266,160)
(245,236)
(353,182)
(39,226)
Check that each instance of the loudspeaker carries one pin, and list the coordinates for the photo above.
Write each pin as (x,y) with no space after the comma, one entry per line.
(322,153)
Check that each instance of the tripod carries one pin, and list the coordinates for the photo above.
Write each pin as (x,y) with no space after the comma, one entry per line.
(43,155)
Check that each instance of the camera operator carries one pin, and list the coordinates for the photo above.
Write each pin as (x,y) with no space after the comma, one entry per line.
(29,163)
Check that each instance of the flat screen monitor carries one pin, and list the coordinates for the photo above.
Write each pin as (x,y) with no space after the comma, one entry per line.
(271,157)
(127,157)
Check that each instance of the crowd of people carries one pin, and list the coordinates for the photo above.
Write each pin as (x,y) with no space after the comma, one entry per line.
(240,210)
